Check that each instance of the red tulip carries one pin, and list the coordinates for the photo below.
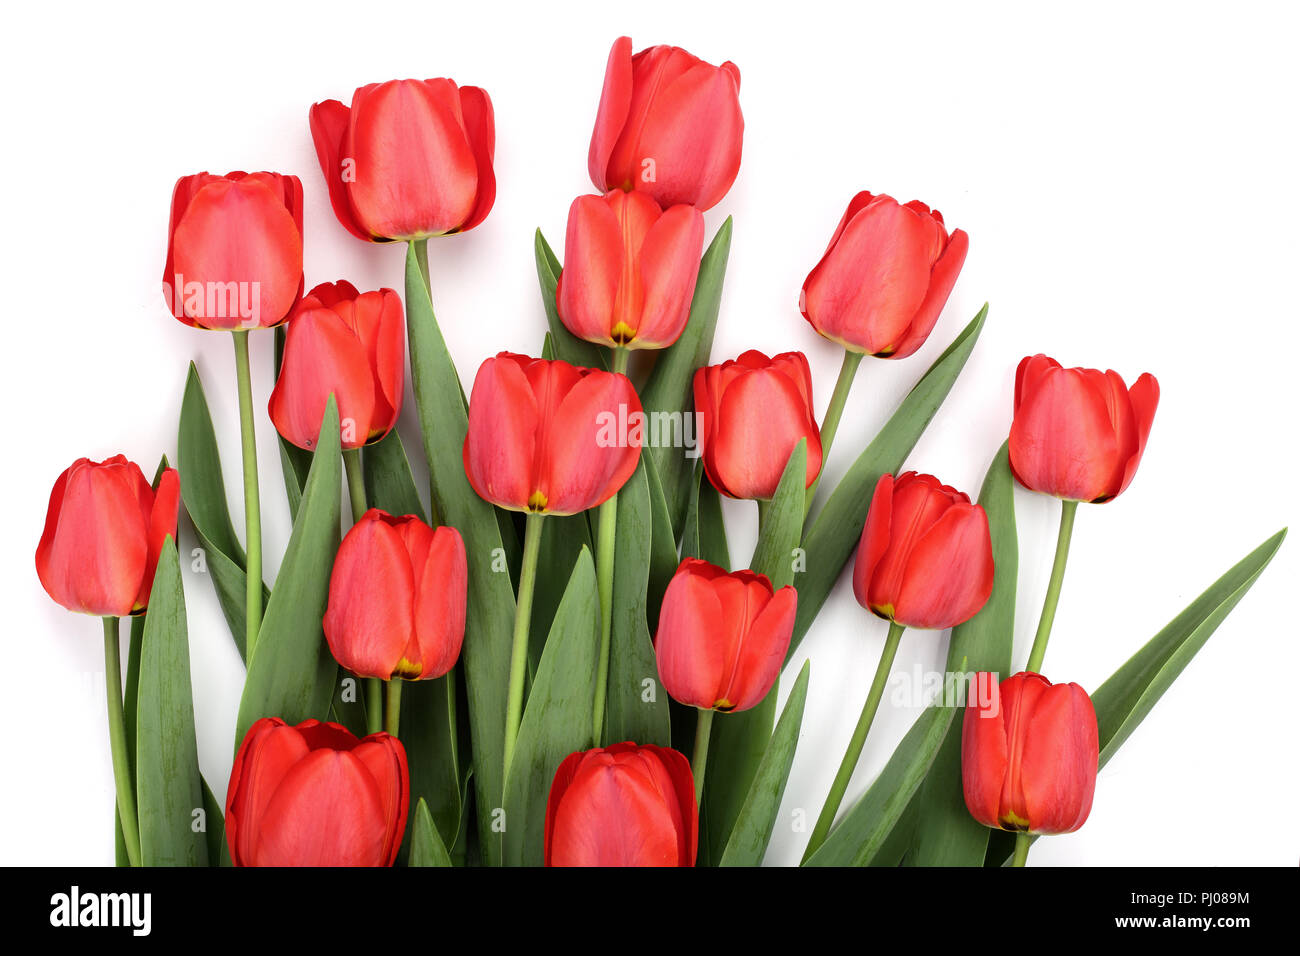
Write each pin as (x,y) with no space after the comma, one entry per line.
(103,533)
(314,795)
(925,558)
(1079,433)
(397,598)
(409,159)
(234,250)
(352,345)
(547,437)
(722,636)
(753,412)
(884,278)
(668,124)
(625,805)
(629,270)
(1029,755)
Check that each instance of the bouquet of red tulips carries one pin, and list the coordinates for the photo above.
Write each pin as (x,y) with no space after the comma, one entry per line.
(550,655)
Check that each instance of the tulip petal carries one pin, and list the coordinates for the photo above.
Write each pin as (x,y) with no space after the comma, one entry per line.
(580,466)
(164,508)
(327,811)
(1061,440)
(501,441)
(266,754)
(611,114)
(323,356)
(330,121)
(239,245)
(385,759)
(942,279)
(761,418)
(1058,762)
(440,597)
(369,620)
(1144,396)
(875,539)
(416,173)
(593,264)
(480,128)
(613,817)
(762,649)
(984,751)
(949,574)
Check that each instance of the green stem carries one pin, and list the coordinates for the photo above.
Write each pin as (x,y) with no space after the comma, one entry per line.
(700,758)
(1039,651)
(117,742)
(831,423)
(859,739)
(421,247)
(393,706)
(356,482)
(252,503)
(1023,839)
(374,705)
(607,524)
(523,615)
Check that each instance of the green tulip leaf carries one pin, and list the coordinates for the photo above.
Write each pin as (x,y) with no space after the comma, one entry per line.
(705,534)
(757,819)
(832,537)
(947,835)
(739,741)
(557,718)
(168,786)
(667,395)
(204,494)
(636,703)
(427,848)
(663,549)
(489,623)
(862,834)
(291,673)
(1128,695)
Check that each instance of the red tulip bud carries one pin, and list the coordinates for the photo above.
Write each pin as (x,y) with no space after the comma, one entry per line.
(409,159)
(629,270)
(1079,433)
(753,412)
(1029,755)
(668,124)
(722,637)
(351,345)
(314,795)
(548,437)
(925,558)
(234,250)
(104,530)
(884,278)
(397,598)
(625,805)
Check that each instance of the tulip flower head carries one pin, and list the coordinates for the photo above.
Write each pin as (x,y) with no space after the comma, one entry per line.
(409,159)
(104,531)
(315,795)
(668,124)
(722,636)
(346,343)
(884,278)
(1029,755)
(397,598)
(625,805)
(547,437)
(925,558)
(234,250)
(630,270)
(753,412)
(1079,433)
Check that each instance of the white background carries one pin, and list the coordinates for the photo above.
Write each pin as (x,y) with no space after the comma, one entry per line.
(1127,176)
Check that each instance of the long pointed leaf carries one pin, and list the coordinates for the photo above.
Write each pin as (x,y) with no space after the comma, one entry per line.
(757,818)
(291,673)
(489,620)
(168,785)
